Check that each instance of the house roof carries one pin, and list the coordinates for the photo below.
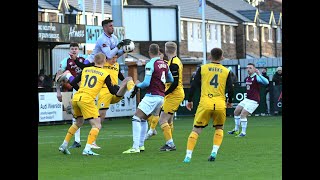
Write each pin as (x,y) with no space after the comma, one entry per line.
(89,6)
(267,16)
(277,17)
(190,9)
(43,4)
(234,6)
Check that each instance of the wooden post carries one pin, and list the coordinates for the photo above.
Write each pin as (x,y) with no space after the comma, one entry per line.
(133,72)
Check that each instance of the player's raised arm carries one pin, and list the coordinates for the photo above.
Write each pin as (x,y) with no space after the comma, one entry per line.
(112,88)
(147,78)
(120,75)
(261,79)
(75,81)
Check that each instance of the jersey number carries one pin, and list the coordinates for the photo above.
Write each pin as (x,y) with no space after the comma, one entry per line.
(163,77)
(214,81)
(92,81)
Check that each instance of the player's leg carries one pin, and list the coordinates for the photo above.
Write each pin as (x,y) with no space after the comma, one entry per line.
(66,75)
(103,103)
(72,129)
(158,101)
(236,115)
(170,106)
(127,82)
(219,118)
(90,112)
(76,143)
(153,119)
(145,108)
(200,121)
(249,108)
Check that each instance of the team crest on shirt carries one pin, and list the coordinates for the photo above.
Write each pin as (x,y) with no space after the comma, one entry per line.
(104,45)
(102,105)
(70,63)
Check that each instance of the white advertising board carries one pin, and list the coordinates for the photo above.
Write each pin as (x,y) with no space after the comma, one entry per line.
(50,109)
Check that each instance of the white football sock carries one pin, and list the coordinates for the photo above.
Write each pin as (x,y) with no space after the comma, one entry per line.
(189,153)
(215,149)
(144,127)
(136,130)
(237,123)
(77,133)
(244,123)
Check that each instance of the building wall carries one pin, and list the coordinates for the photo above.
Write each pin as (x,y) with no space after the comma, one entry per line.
(268,47)
(252,47)
(228,47)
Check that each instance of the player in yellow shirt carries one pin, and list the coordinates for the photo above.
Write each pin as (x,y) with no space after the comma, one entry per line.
(214,79)
(83,102)
(105,98)
(174,96)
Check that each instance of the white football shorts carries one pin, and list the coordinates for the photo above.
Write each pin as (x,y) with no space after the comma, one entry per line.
(249,105)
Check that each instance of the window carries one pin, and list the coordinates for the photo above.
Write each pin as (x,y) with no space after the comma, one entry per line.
(60,18)
(95,21)
(231,34)
(199,31)
(224,33)
(279,37)
(191,30)
(181,30)
(262,35)
(247,33)
(270,34)
(208,32)
(255,28)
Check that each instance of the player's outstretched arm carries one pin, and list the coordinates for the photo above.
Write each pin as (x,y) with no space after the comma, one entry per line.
(112,88)
(75,81)
(82,65)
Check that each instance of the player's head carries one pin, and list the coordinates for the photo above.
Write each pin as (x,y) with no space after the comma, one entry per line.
(216,54)
(107,26)
(154,50)
(112,60)
(170,48)
(74,48)
(99,59)
(251,68)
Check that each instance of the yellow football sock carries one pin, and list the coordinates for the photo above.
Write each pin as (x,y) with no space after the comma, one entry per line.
(93,134)
(130,85)
(171,127)
(166,131)
(154,122)
(192,140)
(73,128)
(150,120)
(218,137)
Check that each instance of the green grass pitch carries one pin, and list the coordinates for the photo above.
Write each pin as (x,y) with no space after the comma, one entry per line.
(258,156)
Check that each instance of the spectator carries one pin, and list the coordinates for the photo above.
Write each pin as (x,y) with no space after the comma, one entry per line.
(234,77)
(264,74)
(194,73)
(277,77)
(44,81)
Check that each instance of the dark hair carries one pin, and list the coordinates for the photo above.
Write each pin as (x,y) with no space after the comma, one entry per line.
(74,44)
(107,21)
(154,49)
(216,53)
(251,64)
